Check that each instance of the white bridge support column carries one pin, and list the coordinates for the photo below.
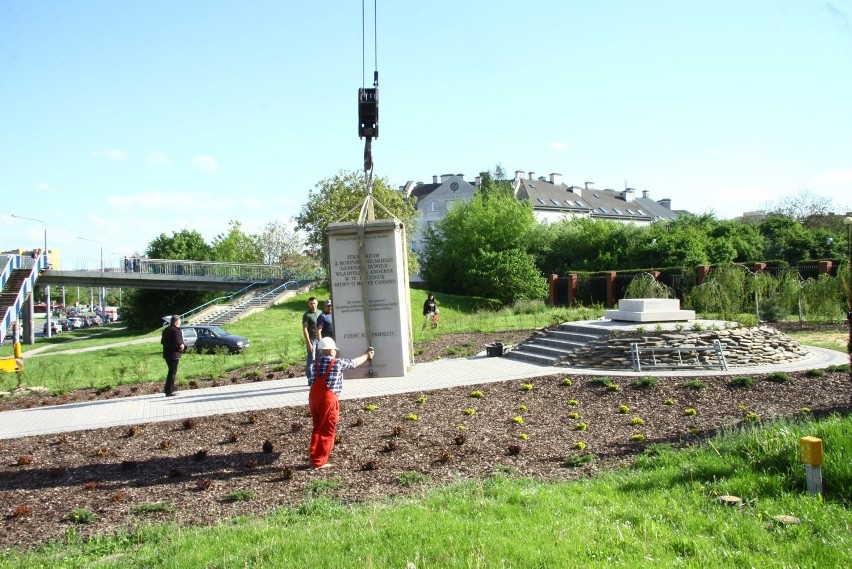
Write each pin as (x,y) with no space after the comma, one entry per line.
(387,316)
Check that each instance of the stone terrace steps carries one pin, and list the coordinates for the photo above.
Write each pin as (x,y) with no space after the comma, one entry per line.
(553,346)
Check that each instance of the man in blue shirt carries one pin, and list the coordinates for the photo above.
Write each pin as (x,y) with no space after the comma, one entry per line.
(325,322)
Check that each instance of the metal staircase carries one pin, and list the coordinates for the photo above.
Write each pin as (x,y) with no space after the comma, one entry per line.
(17,282)
(553,346)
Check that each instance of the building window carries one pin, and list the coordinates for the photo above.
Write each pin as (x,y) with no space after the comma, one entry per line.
(433,206)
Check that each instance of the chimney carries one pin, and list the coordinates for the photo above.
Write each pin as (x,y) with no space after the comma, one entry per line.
(587,184)
(409,186)
(666,203)
(434,179)
(519,174)
(628,194)
(556,179)
(532,175)
(445,177)
(645,194)
(477,182)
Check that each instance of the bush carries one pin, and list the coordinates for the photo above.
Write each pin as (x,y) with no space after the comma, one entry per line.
(778,377)
(742,381)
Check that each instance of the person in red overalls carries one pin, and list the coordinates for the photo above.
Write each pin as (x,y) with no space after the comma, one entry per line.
(326,384)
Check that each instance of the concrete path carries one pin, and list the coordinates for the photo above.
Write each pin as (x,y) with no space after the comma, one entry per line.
(440,374)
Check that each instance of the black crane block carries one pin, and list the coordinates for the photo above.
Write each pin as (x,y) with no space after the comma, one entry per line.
(368,113)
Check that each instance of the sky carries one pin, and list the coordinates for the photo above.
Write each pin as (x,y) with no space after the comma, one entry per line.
(122,121)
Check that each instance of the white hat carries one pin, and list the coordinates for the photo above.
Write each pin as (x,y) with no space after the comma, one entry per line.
(327,343)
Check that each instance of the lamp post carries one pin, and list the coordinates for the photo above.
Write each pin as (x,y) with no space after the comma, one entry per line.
(102,292)
(47,306)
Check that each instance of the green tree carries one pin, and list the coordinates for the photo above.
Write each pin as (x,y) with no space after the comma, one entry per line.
(479,249)
(184,245)
(336,199)
(235,246)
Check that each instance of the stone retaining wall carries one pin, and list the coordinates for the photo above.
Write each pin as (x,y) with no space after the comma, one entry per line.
(742,347)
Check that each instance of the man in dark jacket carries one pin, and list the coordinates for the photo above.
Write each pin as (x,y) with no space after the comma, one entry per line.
(172,341)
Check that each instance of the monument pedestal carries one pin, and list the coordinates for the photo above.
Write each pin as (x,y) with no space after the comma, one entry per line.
(369,287)
(649,310)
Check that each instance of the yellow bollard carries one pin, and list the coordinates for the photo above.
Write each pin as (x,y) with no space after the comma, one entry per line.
(17,349)
(813,457)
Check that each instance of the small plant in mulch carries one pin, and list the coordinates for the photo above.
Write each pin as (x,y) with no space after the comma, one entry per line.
(251,464)
(751,417)
(460,438)
(286,472)
(165,444)
(152,508)
(369,407)
(690,412)
(175,472)
(637,421)
(668,402)
(805,410)
(359,422)
(815,373)
(411,477)
(694,431)
(252,419)
(200,454)
(476,394)
(637,438)
(20,511)
(91,485)
(613,387)
(252,374)
(445,457)
(240,495)
(296,426)
(203,484)
(695,384)
(581,426)
(397,430)
(421,400)
(566,382)
(133,431)
(643,382)
(460,427)
(573,402)
(573,415)
(82,516)
(193,384)
(411,417)
(103,451)
(267,446)
(338,438)
(523,436)
(513,450)
(527,387)
(778,377)
(25,460)
(232,437)
(470,411)
(119,496)
(744,381)
(390,445)
(599,382)
(270,375)
(522,407)
(842,368)
(369,465)
(518,420)
(62,439)
(190,423)
(580,445)
(623,409)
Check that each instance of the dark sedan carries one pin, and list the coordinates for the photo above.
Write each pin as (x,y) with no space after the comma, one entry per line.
(213,339)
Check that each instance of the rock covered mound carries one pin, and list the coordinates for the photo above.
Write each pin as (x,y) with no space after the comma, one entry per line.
(742,347)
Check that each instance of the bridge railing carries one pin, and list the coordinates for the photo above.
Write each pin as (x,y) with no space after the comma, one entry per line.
(256,272)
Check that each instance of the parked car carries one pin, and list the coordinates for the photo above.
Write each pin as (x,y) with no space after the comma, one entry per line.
(76,322)
(189,337)
(212,338)
(66,325)
(55,327)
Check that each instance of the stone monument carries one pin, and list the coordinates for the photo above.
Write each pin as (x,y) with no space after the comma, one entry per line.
(369,287)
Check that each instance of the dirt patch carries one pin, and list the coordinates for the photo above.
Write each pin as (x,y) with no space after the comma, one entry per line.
(202,470)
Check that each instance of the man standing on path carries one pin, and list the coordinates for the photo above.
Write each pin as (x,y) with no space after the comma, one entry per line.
(325,322)
(309,331)
(326,385)
(172,341)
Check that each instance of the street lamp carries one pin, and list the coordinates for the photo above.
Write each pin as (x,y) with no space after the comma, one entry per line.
(47,307)
(102,265)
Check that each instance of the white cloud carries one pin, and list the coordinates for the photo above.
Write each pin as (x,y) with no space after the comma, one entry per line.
(110,154)
(158,158)
(836,177)
(205,164)
(252,203)
(43,187)
(558,146)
